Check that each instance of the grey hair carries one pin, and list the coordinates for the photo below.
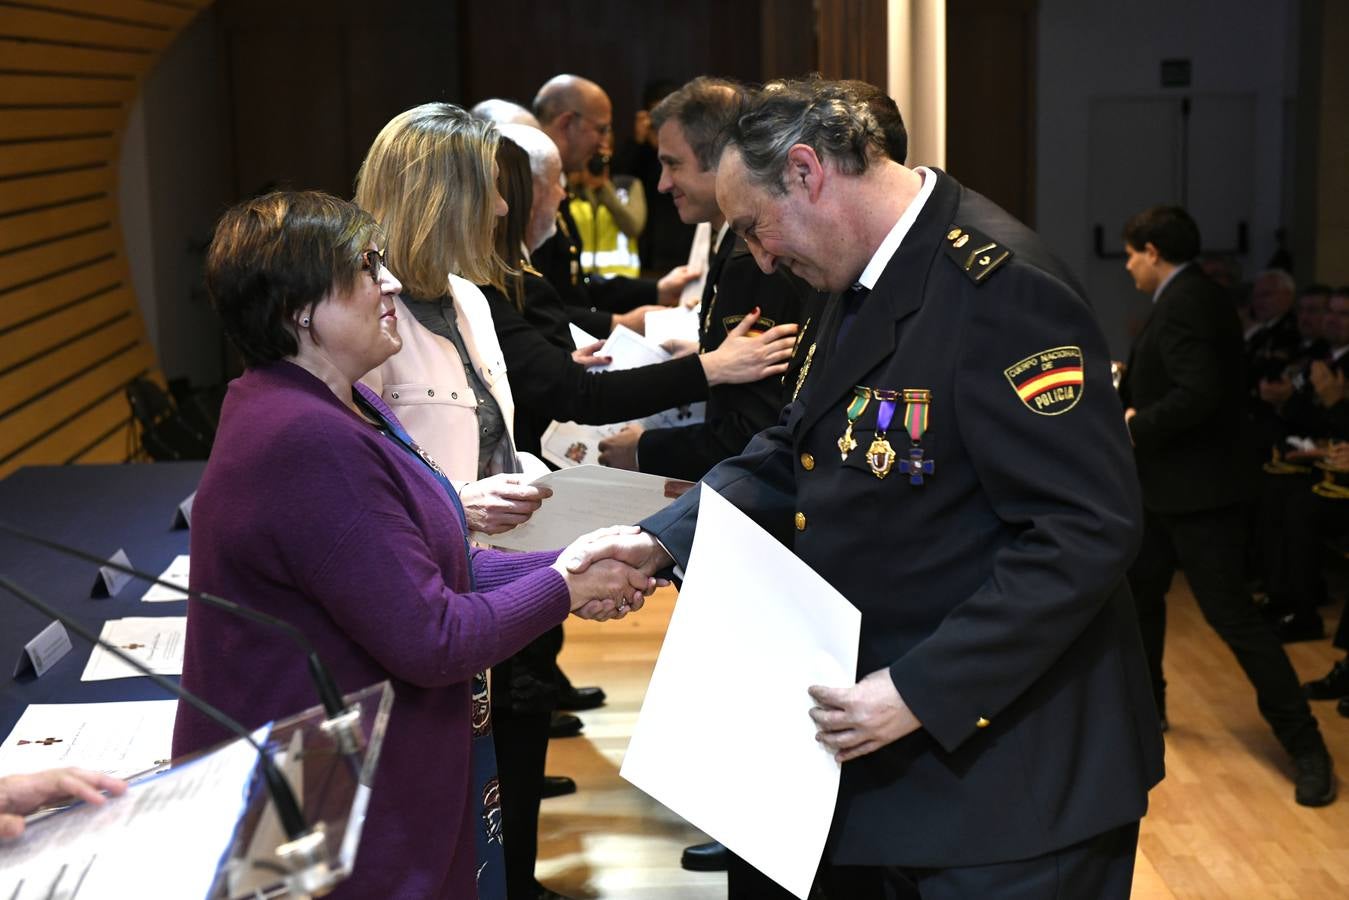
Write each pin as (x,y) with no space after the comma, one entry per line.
(824,115)
(1282,279)
(495,109)
(705,109)
(539,146)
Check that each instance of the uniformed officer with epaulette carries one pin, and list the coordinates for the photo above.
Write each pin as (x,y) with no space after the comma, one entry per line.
(955,464)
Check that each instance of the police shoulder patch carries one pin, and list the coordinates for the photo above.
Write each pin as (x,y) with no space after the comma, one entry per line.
(977,255)
(1048,382)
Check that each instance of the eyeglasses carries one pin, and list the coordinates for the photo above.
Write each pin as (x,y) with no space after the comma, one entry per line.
(604,128)
(372,261)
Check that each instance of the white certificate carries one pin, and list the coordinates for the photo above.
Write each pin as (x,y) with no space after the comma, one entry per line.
(678,323)
(627,349)
(754,628)
(163,840)
(585,498)
(177,572)
(157,642)
(119,738)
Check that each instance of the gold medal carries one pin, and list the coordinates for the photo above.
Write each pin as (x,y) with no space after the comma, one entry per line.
(847,443)
(880,456)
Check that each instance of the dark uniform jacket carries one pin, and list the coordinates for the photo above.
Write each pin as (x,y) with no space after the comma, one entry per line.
(735,413)
(994,591)
(589,301)
(1184,378)
(547,384)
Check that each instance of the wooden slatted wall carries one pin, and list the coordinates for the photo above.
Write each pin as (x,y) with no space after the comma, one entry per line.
(71,335)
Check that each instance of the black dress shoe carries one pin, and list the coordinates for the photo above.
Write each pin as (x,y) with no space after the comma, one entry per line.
(577,699)
(565,725)
(1315,779)
(710,857)
(543,893)
(1300,627)
(1334,684)
(556,786)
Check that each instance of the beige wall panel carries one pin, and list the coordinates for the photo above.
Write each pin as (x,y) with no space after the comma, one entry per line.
(46,373)
(19,430)
(40,335)
(74,28)
(48,259)
(27,124)
(164,15)
(44,190)
(44,88)
(30,228)
(25,56)
(53,293)
(44,156)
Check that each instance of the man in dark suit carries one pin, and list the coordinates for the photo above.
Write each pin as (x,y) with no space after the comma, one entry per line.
(955,465)
(688,124)
(1183,392)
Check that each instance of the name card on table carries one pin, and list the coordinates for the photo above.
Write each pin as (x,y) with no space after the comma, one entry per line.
(110,580)
(182,516)
(43,651)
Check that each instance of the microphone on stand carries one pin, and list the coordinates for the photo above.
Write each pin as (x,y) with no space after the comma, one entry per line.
(305,852)
(341,722)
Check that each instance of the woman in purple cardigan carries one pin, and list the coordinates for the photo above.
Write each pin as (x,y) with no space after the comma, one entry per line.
(318,508)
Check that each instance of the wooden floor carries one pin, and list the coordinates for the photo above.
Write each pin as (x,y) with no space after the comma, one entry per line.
(1222,825)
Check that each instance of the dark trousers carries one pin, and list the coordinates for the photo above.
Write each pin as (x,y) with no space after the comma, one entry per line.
(521,748)
(1208,546)
(1101,868)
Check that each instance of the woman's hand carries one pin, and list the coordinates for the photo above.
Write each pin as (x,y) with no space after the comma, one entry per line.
(501,502)
(634,318)
(24,794)
(679,348)
(671,285)
(590,355)
(743,358)
(608,586)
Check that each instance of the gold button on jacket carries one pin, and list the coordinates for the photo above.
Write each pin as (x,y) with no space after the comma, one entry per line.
(982,723)
(800,521)
(807,461)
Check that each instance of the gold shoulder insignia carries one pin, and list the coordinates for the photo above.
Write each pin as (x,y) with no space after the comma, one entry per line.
(526,267)
(975,253)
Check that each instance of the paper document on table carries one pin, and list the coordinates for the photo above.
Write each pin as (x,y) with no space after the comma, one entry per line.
(675,324)
(120,738)
(157,642)
(753,619)
(163,840)
(627,349)
(585,498)
(177,572)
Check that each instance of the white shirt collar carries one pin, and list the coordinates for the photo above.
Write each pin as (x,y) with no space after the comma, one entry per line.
(881,258)
(1167,280)
(716,241)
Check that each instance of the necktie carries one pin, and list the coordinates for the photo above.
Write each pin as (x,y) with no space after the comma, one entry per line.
(852,303)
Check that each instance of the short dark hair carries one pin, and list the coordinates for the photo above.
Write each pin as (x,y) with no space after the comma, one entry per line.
(823,115)
(274,256)
(516,184)
(705,108)
(887,114)
(1168,228)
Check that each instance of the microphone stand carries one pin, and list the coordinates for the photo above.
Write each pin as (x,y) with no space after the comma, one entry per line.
(341,722)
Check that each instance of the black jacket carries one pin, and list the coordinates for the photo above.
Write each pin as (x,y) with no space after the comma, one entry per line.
(735,412)
(547,384)
(994,591)
(1185,379)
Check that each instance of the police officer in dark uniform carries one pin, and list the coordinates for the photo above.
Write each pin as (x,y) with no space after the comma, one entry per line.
(955,463)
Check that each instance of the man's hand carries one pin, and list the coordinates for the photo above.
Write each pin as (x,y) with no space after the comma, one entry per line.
(24,794)
(591,355)
(1129,417)
(633,546)
(501,502)
(743,358)
(1337,456)
(671,286)
(855,721)
(619,451)
(604,573)
(678,348)
(1328,382)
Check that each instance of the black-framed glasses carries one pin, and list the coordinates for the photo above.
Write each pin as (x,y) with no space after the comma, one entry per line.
(372,261)
(605,129)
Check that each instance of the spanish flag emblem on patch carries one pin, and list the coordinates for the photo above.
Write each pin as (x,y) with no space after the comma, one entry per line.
(1048,382)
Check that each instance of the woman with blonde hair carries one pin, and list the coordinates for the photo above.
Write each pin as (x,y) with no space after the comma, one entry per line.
(429,179)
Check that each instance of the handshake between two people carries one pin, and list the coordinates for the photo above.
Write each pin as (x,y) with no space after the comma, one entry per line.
(611,572)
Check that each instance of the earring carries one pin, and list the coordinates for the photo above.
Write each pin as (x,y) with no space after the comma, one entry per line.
(304,321)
